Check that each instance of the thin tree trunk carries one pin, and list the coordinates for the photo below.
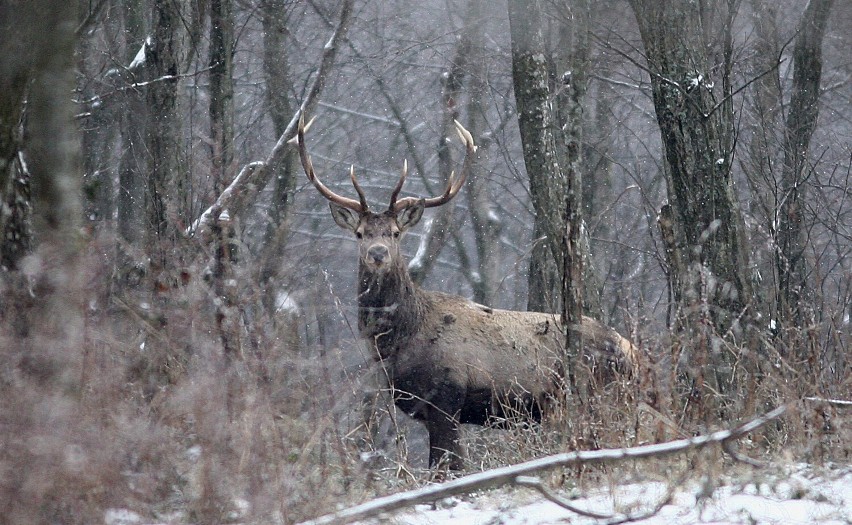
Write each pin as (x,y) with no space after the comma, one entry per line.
(130,199)
(100,115)
(276,70)
(571,61)
(530,73)
(484,219)
(794,298)
(766,132)
(15,74)
(165,186)
(221,110)
(221,92)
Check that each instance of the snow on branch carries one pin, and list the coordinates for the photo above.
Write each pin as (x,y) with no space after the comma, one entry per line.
(518,474)
(255,175)
(836,403)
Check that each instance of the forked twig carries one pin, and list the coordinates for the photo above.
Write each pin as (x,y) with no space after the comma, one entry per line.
(536,484)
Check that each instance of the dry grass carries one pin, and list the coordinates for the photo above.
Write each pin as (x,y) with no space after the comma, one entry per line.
(148,413)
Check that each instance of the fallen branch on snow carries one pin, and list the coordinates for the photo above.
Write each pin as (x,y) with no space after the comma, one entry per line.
(511,474)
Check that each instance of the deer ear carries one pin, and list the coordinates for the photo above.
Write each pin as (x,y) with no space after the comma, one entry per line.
(410,216)
(344,217)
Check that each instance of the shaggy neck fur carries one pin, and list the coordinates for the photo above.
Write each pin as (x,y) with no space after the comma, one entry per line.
(391,307)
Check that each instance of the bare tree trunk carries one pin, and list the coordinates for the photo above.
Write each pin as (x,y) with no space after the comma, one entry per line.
(766,132)
(165,186)
(221,92)
(571,61)
(597,187)
(556,270)
(165,190)
(221,109)
(14,187)
(45,354)
(130,199)
(276,70)
(794,298)
(276,73)
(484,219)
(99,113)
(14,181)
(709,267)
(530,73)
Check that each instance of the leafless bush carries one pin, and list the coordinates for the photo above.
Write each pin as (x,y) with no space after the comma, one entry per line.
(277,435)
(150,415)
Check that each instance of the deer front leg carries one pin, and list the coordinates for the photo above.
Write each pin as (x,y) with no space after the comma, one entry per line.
(444,440)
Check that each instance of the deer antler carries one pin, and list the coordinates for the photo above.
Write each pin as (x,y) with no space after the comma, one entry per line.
(453,184)
(399,184)
(359,206)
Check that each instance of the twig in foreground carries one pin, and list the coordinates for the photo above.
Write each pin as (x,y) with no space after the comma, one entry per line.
(536,484)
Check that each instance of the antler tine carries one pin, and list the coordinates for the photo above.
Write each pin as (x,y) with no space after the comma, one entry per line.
(398,186)
(307,165)
(453,184)
(358,189)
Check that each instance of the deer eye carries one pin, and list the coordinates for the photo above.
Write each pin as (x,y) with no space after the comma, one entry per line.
(396,235)
(358,235)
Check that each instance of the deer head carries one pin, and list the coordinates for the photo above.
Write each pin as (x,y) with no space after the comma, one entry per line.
(379,233)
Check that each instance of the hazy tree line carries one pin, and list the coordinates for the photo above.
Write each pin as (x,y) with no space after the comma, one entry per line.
(679,170)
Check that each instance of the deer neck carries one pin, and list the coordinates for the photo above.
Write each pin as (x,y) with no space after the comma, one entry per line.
(391,307)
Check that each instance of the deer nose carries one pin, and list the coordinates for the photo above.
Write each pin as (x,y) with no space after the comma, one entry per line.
(378,253)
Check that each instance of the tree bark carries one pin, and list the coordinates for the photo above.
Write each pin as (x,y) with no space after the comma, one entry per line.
(221,105)
(556,269)
(15,74)
(530,73)
(165,186)
(221,111)
(571,59)
(130,199)
(276,72)
(485,221)
(714,292)
(794,297)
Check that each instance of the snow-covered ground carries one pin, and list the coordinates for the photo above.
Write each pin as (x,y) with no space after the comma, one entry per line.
(794,495)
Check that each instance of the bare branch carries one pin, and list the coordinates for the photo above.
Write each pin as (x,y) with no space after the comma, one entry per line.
(255,175)
(536,484)
(837,403)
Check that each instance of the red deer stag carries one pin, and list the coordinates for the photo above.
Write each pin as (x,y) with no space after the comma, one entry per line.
(449,360)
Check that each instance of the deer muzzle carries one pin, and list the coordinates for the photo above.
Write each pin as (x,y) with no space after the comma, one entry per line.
(378,254)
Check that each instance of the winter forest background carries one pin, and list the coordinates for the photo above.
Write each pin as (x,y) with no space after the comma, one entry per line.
(178,328)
